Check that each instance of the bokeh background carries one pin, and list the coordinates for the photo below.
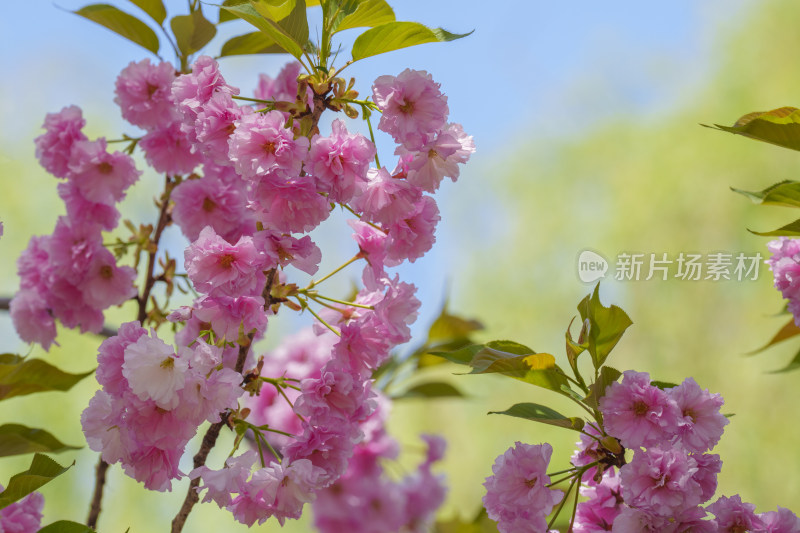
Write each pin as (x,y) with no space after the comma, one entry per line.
(586,121)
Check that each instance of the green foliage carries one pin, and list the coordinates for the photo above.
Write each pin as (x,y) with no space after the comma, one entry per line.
(789,230)
(597,390)
(396,35)
(785,193)
(367,13)
(20,376)
(788,331)
(121,23)
(542,414)
(606,326)
(154,8)
(42,471)
(192,32)
(780,127)
(16,439)
(290,32)
(250,43)
(430,390)
(66,526)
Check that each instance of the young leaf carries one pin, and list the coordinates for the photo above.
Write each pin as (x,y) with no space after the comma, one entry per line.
(19,376)
(789,230)
(794,364)
(663,385)
(275,10)
(154,8)
(597,390)
(780,127)
(606,326)
(433,389)
(121,23)
(16,439)
(785,193)
(536,369)
(369,13)
(542,414)
(396,35)
(42,470)
(449,327)
(66,526)
(291,33)
(788,331)
(192,32)
(225,15)
(462,356)
(250,43)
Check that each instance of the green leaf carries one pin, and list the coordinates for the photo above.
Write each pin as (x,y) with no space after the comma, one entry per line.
(16,439)
(154,8)
(192,32)
(789,230)
(369,13)
(537,369)
(433,389)
(121,23)
(462,356)
(250,43)
(42,470)
(449,327)
(575,349)
(19,376)
(224,14)
(780,127)
(597,390)
(663,385)
(794,364)
(785,193)
(275,10)
(542,414)
(396,35)
(291,33)
(66,526)
(606,326)
(788,331)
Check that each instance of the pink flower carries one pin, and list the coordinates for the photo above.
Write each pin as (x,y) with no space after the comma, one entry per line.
(62,130)
(100,176)
(385,199)
(217,199)
(413,106)
(262,143)
(708,466)
(83,212)
(22,516)
(632,520)
(637,413)
(412,236)
(154,467)
(785,266)
(107,284)
(103,425)
(192,91)
(284,250)
(734,516)
(144,94)
(214,125)
(32,319)
(339,162)
(228,316)
(283,87)
(438,158)
(372,246)
(780,521)
(661,481)
(288,206)
(604,502)
(221,483)
(111,356)
(154,372)
(517,491)
(216,267)
(702,424)
(72,249)
(169,151)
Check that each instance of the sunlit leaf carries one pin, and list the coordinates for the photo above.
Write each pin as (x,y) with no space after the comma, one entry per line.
(121,23)
(606,326)
(789,230)
(19,376)
(154,8)
(794,364)
(537,369)
(42,471)
(780,127)
(250,43)
(785,193)
(597,390)
(788,331)
(369,13)
(396,35)
(275,10)
(291,33)
(192,32)
(542,414)
(462,356)
(16,439)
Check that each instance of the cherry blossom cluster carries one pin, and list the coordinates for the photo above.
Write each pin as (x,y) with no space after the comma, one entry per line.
(70,275)
(22,516)
(785,265)
(661,487)
(245,184)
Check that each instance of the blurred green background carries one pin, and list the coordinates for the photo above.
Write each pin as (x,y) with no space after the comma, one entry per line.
(609,165)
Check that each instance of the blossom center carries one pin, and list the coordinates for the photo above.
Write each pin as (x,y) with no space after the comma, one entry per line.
(268,147)
(106,272)
(640,408)
(168,363)
(209,205)
(407,108)
(531,482)
(690,413)
(151,89)
(227,260)
(105,167)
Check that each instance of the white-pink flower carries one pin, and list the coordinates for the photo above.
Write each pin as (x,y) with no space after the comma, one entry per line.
(154,372)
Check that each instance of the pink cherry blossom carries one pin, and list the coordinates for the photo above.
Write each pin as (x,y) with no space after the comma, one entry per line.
(101,176)
(154,372)
(339,162)
(413,235)
(144,94)
(262,143)
(733,515)
(661,481)
(22,516)
(192,91)
(288,206)
(385,199)
(169,151)
(62,131)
